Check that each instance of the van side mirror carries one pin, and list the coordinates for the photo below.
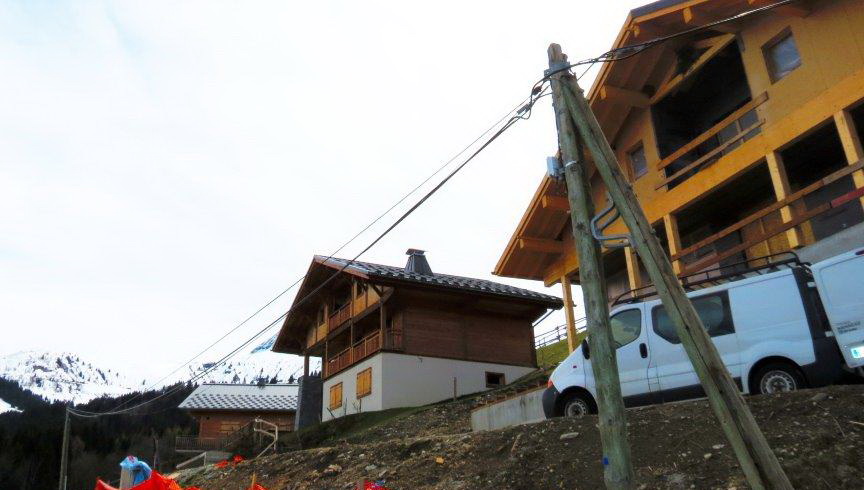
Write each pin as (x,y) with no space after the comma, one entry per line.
(586,352)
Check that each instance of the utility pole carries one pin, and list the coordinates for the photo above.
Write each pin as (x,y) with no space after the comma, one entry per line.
(617,465)
(64,453)
(760,465)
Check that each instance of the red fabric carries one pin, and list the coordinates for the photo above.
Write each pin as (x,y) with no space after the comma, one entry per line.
(253,487)
(237,459)
(101,485)
(157,482)
(221,464)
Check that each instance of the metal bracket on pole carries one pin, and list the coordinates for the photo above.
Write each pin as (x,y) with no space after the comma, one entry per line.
(555,67)
(597,227)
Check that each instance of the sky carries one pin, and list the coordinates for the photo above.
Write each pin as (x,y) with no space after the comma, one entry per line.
(166,168)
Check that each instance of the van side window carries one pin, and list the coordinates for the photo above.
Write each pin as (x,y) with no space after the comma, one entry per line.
(626,327)
(713,309)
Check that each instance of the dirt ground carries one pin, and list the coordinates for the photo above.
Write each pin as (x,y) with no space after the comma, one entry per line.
(818,436)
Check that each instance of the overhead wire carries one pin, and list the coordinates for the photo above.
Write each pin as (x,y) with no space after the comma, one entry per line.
(521,112)
(333,254)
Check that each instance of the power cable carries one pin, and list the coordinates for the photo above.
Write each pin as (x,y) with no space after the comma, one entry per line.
(522,112)
(332,254)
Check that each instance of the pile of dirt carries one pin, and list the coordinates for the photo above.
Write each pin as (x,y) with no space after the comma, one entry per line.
(818,436)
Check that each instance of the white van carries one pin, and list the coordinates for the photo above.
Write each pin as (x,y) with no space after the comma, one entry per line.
(787,327)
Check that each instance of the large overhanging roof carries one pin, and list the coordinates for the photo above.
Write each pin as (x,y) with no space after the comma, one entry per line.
(619,89)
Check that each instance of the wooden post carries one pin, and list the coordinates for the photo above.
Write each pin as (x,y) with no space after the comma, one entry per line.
(851,145)
(305,363)
(673,238)
(64,453)
(634,275)
(617,467)
(759,463)
(782,190)
(568,313)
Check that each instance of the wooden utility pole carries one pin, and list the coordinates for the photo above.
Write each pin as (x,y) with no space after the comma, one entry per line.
(64,453)
(759,463)
(617,466)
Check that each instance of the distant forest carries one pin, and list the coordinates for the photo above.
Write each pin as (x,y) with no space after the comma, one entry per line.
(30,441)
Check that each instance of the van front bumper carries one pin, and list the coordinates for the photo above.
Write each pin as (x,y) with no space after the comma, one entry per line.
(550,399)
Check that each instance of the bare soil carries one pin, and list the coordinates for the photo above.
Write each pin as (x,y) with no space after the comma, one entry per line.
(818,436)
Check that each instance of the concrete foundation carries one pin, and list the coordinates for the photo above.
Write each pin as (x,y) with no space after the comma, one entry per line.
(836,244)
(525,408)
(309,400)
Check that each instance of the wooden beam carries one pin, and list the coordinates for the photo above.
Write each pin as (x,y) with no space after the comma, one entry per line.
(782,190)
(852,146)
(618,468)
(542,245)
(801,8)
(569,314)
(672,84)
(643,31)
(634,277)
(624,97)
(731,118)
(758,462)
(555,203)
(673,238)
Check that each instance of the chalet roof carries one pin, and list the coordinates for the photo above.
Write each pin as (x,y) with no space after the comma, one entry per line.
(243,398)
(447,281)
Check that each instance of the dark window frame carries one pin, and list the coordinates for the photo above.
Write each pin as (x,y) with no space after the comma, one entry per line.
(503,380)
(728,322)
(633,171)
(781,36)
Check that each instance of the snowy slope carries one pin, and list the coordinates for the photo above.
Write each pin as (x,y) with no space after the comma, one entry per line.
(6,407)
(249,367)
(62,376)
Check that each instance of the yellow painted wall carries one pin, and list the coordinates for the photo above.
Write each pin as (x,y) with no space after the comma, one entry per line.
(831,77)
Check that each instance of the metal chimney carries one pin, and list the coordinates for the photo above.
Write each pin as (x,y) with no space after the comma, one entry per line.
(417,262)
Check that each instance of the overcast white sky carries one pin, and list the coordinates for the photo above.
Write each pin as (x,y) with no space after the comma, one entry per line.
(168,167)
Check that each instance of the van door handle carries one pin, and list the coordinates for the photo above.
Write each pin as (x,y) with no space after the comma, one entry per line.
(643,350)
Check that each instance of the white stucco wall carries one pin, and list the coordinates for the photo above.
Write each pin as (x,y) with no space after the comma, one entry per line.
(350,403)
(400,380)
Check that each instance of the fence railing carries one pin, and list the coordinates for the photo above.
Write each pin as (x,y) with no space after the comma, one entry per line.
(195,443)
(557,334)
(361,349)
(709,146)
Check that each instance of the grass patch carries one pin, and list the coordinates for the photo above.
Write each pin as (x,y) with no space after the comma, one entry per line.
(552,354)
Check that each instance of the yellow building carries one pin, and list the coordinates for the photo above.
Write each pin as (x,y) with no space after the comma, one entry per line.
(741,141)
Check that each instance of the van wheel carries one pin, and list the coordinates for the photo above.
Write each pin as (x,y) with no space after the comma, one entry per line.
(578,404)
(778,377)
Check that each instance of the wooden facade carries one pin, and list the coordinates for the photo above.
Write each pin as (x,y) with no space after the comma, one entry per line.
(740,141)
(220,424)
(388,310)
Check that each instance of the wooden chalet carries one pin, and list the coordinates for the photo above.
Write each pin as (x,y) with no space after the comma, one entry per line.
(741,141)
(404,336)
(225,412)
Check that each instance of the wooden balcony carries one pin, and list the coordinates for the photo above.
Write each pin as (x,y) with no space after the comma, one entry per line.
(800,218)
(198,444)
(341,316)
(711,145)
(361,349)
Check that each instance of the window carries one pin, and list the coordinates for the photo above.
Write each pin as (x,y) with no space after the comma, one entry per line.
(712,309)
(364,383)
(781,55)
(626,327)
(361,289)
(638,164)
(494,380)
(335,396)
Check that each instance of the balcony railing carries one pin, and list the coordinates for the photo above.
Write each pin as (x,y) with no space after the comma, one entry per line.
(361,349)
(798,218)
(195,443)
(709,146)
(341,316)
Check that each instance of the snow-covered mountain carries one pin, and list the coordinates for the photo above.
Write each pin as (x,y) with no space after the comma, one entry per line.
(66,377)
(7,407)
(63,376)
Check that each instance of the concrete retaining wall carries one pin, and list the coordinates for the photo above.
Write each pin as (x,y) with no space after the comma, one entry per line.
(525,408)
